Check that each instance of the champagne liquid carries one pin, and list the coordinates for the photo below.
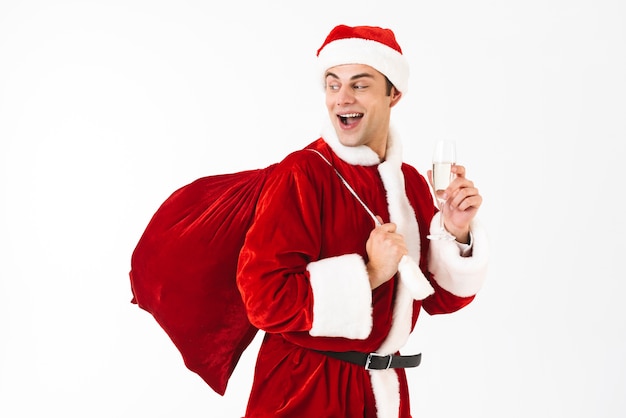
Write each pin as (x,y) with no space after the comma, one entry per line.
(442,176)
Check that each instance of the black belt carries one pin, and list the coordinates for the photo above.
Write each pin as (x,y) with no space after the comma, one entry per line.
(373,361)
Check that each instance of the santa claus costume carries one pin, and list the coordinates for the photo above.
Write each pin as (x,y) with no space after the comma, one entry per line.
(302,270)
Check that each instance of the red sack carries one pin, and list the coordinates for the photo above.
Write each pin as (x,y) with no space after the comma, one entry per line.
(184,266)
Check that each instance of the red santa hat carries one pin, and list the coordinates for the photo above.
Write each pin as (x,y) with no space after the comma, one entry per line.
(369,45)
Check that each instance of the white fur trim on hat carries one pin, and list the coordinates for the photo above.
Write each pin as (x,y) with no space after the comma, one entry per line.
(384,59)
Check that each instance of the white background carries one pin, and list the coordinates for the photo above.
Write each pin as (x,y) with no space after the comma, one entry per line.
(107,107)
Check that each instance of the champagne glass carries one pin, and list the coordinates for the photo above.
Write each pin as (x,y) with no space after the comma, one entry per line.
(444,157)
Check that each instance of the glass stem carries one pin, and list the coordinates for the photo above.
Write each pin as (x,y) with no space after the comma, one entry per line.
(441,225)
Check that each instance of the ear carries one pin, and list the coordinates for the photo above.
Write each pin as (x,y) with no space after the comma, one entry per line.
(395,96)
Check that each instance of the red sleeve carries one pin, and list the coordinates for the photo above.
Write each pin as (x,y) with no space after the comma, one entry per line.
(281,242)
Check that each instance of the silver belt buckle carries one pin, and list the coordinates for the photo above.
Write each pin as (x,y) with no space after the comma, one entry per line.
(369,360)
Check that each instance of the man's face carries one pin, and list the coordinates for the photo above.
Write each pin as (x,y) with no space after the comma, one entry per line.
(359,106)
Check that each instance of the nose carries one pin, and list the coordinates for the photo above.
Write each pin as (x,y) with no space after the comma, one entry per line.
(345,95)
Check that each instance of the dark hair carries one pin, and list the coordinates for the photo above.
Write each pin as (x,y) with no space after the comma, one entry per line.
(389,86)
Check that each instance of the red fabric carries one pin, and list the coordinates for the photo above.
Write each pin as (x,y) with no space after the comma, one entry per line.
(372,33)
(306,214)
(312,385)
(183,271)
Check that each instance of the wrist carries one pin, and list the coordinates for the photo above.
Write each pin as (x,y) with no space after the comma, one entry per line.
(375,277)
(462,236)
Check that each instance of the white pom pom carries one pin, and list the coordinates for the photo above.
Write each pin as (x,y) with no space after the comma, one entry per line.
(414,279)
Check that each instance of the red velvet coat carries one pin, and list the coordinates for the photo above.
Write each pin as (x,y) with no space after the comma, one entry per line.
(303,280)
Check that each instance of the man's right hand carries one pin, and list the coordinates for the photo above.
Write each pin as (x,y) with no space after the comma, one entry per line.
(384,249)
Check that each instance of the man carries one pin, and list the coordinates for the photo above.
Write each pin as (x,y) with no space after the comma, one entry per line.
(327,283)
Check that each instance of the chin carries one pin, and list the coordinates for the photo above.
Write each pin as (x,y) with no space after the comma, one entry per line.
(348,140)
(349,143)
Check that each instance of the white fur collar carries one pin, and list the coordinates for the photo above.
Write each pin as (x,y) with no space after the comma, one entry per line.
(362,154)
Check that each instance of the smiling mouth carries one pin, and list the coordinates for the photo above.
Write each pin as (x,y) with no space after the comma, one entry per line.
(348,119)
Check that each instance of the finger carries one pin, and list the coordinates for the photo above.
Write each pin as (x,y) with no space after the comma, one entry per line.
(466,198)
(459,170)
(459,183)
(394,243)
(460,193)
(388,227)
(472,202)
(384,227)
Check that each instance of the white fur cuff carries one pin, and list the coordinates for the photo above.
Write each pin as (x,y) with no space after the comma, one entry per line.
(461,276)
(342,297)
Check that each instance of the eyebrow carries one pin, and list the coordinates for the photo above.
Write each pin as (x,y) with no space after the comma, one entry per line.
(354,77)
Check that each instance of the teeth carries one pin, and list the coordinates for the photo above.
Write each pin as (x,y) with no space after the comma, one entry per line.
(350,115)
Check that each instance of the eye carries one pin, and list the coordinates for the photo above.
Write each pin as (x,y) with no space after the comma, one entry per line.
(333,86)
